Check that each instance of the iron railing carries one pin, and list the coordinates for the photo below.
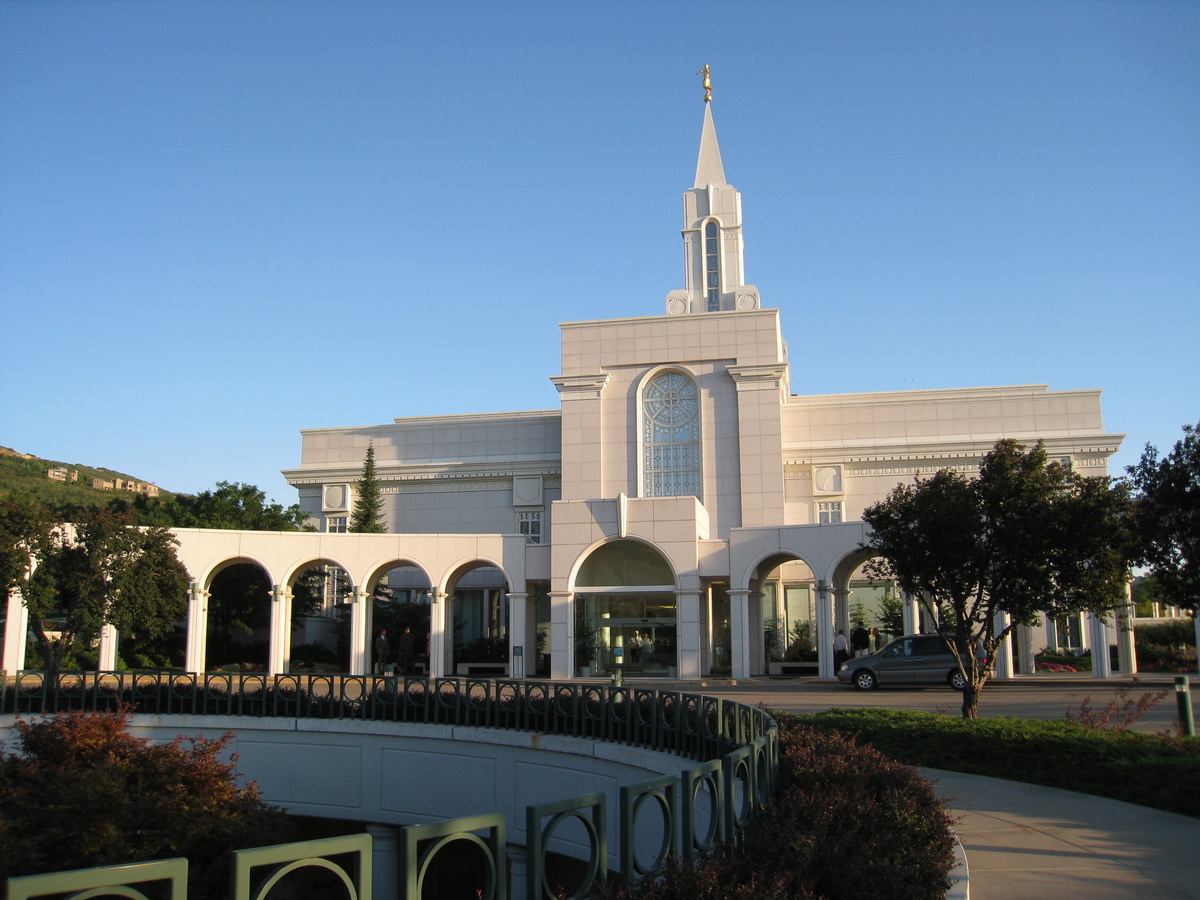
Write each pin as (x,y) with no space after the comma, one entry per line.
(736,748)
(686,724)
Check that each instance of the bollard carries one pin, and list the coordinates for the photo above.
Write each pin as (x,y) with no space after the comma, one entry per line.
(1183,699)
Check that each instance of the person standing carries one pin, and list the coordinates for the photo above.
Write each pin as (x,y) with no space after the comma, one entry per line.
(860,641)
(408,643)
(383,654)
(841,651)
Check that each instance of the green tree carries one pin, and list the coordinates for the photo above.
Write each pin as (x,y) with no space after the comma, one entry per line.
(82,792)
(24,529)
(368,502)
(239,600)
(1027,537)
(1167,513)
(232,505)
(891,613)
(103,570)
(1146,593)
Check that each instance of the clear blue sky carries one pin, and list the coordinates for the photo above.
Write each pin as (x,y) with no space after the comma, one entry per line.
(222,222)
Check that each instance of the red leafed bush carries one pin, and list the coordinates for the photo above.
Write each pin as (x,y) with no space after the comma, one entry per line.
(81,792)
(845,822)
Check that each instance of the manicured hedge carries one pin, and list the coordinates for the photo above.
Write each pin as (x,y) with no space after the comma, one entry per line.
(1152,770)
(845,822)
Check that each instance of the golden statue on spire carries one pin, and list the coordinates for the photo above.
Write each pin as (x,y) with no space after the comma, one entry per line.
(707,84)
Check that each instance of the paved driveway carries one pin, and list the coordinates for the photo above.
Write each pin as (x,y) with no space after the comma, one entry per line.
(1031,697)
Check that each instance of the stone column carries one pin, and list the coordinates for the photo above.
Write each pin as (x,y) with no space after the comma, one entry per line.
(739,633)
(582,449)
(1003,666)
(109,638)
(518,636)
(437,633)
(518,870)
(360,635)
(197,628)
(825,631)
(16,627)
(562,635)
(911,610)
(385,861)
(687,633)
(754,632)
(841,607)
(1126,646)
(760,389)
(281,630)
(1098,634)
(1024,634)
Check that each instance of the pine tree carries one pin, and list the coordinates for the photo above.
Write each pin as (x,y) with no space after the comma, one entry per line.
(368,503)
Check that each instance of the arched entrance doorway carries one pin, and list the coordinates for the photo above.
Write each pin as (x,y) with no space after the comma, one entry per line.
(477,612)
(239,618)
(783,616)
(625,600)
(401,600)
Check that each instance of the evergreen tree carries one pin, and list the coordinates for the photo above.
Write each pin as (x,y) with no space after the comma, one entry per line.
(368,503)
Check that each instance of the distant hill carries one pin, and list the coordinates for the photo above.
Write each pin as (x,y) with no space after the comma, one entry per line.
(22,473)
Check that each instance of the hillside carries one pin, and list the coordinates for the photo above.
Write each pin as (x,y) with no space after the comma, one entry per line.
(23,474)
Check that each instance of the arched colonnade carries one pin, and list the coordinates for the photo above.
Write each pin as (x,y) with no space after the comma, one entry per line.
(832,553)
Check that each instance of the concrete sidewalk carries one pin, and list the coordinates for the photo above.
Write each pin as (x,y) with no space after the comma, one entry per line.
(1028,842)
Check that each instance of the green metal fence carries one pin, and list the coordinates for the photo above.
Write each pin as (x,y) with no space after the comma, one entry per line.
(735,747)
(686,724)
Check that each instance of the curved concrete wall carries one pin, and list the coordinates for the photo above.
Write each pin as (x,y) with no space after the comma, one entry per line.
(410,774)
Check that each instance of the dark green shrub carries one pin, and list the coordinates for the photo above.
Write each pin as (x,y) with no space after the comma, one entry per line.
(1151,770)
(845,822)
(1167,646)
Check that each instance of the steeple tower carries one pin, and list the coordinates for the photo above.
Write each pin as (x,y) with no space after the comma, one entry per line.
(712,233)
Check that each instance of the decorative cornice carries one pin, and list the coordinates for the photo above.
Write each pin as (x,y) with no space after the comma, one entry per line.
(418,474)
(580,387)
(772,373)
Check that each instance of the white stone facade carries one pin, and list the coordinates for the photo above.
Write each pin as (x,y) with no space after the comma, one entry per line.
(726,506)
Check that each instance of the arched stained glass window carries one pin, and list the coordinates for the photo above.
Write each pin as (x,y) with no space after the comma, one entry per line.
(671,436)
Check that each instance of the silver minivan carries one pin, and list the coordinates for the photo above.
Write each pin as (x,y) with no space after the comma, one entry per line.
(913,659)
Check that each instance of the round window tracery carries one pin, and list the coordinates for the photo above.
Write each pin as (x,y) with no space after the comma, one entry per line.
(671,400)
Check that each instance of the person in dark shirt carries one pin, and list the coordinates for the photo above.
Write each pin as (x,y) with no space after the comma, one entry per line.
(860,641)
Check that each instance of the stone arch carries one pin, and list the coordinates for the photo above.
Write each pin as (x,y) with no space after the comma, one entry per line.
(238,613)
(475,617)
(308,634)
(398,594)
(624,609)
(868,597)
(781,593)
(220,564)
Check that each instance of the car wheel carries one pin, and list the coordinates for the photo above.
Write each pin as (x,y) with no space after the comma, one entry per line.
(864,679)
(957,680)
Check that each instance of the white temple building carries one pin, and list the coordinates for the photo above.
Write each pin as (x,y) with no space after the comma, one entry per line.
(683,512)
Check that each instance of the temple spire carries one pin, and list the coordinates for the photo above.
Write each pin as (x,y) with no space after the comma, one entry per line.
(709,169)
(712,233)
